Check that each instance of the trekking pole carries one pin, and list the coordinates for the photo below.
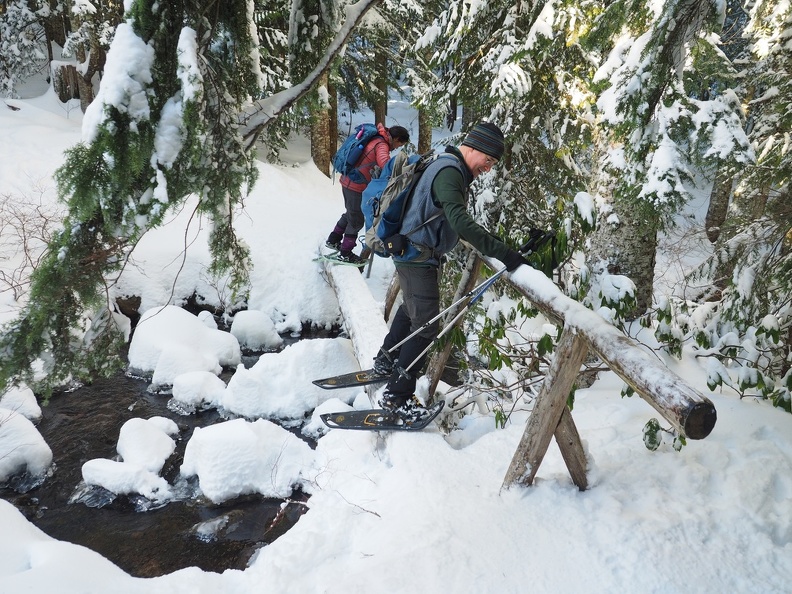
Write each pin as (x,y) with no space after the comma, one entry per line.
(370,263)
(472,296)
(476,293)
(448,327)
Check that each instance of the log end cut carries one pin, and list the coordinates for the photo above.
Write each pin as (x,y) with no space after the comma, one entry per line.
(700,420)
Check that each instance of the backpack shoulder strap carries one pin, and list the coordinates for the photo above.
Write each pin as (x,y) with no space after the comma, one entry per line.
(371,147)
(431,159)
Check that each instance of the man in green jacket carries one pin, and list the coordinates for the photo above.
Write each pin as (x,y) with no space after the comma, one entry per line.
(435,219)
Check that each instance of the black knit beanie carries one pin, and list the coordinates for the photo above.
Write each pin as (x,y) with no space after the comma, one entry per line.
(487,138)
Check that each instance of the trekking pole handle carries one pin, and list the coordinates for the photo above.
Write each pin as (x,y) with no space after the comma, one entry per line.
(537,240)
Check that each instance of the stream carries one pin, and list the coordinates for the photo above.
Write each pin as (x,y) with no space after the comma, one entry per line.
(85,424)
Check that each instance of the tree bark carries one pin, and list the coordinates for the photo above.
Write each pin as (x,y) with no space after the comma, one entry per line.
(451,115)
(320,136)
(746,208)
(380,107)
(470,117)
(56,27)
(627,247)
(718,206)
(332,93)
(424,131)
(66,82)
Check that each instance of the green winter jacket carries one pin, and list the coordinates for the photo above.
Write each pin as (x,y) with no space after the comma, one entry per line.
(449,192)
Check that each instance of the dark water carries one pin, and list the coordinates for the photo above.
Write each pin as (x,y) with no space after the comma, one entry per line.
(85,424)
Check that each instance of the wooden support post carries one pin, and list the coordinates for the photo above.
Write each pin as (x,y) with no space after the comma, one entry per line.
(390,296)
(568,440)
(470,277)
(549,408)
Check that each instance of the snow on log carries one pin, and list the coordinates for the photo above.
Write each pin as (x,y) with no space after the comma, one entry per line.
(689,411)
(362,315)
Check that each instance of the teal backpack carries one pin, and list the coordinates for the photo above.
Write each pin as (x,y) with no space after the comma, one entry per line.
(346,159)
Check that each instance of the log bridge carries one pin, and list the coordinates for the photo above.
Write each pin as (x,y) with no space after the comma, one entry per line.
(690,413)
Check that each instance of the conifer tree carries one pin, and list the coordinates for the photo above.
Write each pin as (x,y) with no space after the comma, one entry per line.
(402,23)
(664,95)
(373,62)
(164,126)
(312,26)
(178,113)
(272,23)
(521,66)
(23,49)
(88,42)
(744,329)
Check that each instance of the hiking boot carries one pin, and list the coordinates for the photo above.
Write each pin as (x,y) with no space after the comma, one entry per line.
(334,241)
(408,408)
(350,257)
(391,402)
(383,364)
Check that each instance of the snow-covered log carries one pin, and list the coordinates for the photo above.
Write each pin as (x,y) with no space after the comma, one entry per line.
(363,318)
(689,411)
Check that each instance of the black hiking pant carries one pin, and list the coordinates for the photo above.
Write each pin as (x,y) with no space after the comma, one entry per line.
(352,220)
(420,286)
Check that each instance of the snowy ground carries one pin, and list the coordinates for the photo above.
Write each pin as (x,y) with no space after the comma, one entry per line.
(396,512)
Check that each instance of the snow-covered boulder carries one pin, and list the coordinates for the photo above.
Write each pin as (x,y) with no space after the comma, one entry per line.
(22,448)
(255,331)
(23,401)
(169,341)
(239,457)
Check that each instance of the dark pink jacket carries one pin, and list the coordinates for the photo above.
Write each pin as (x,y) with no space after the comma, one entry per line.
(377,152)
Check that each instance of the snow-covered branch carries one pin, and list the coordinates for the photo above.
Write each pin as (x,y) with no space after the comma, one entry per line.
(262,112)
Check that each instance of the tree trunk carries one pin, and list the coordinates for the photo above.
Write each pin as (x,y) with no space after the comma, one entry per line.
(380,107)
(755,206)
(718,206)
(747,208)
(332,93)
(56,27)
(470,117)
(424,131)
(320,136)
(66,82)
(96,64)
(451,116)
(86,93)
(627,247)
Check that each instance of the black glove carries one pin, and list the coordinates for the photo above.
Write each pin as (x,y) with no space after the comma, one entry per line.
(514,260)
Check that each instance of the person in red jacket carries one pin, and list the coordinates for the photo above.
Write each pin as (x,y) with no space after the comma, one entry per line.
(343,237)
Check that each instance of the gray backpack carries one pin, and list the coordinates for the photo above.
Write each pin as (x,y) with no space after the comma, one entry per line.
(385,200)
